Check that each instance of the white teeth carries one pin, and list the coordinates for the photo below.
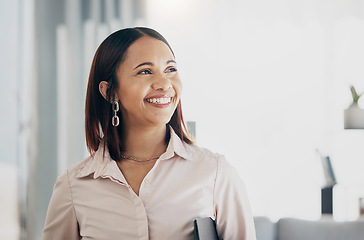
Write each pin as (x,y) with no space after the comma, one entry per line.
(159,100)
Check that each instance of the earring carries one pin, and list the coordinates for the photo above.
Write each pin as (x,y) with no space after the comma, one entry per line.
(115,118)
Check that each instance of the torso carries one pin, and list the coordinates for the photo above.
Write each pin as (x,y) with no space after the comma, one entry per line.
(135,172)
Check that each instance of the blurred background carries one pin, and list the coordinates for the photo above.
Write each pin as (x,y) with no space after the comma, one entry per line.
(266,83)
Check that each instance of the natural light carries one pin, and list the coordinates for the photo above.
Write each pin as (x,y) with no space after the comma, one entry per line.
(266,83)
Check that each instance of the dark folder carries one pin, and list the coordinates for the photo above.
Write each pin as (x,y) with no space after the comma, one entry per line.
(205,229)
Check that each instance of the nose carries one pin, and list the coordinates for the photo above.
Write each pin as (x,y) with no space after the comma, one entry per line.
(161,82)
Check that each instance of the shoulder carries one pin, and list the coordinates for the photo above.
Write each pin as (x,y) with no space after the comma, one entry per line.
(79,167)
(206,157)
(192,151)
(226,177)
(201,157)
(74,171)
(197,153)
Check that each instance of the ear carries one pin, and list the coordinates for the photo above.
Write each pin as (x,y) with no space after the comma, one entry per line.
(103,88)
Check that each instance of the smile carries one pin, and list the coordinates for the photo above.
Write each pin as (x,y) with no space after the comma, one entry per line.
(163,100)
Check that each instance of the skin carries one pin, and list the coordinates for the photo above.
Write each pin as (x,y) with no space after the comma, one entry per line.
(148,71)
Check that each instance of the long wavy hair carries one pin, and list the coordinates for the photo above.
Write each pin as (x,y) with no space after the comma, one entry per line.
(98,110)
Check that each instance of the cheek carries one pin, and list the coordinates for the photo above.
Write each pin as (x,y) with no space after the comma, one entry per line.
(126,97)
(177,84)
(129,90)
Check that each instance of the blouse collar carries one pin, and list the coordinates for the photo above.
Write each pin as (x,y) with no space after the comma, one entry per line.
(102,165)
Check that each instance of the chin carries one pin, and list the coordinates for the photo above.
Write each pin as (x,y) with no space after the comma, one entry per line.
(161,120)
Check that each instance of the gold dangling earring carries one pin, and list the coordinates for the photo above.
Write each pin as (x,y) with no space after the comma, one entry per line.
(115,118)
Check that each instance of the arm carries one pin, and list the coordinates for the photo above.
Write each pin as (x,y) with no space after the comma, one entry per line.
(61,222)
(234,219)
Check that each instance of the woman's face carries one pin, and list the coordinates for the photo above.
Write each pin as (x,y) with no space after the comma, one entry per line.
(149,84)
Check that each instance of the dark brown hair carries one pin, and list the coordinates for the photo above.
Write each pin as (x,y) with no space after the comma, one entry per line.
(98,110)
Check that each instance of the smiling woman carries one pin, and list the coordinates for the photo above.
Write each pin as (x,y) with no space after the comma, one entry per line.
(149,85)
(122,69)
(144,178)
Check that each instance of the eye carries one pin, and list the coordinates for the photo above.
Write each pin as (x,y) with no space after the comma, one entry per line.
(171,69)
(145,72)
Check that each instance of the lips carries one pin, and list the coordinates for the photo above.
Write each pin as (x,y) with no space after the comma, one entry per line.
(160,100)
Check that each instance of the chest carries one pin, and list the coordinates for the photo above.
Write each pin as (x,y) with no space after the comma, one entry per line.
(134,173)
(169,198)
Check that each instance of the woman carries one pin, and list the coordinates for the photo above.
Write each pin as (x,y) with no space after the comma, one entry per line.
(144,179)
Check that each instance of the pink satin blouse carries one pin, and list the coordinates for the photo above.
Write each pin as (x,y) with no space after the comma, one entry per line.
(92,200)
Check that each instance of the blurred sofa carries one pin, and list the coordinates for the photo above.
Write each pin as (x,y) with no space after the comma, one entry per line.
(297,229)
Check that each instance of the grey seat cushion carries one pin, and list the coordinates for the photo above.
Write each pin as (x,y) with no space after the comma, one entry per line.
(296,229)
(265,229)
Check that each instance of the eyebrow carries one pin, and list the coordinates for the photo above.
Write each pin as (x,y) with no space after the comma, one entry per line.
(171,61)
(151,64)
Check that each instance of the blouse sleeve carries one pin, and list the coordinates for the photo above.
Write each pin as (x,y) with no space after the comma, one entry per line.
(234,219)
(61,222)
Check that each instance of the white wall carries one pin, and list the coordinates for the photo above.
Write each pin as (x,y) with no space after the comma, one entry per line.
(9,17)
(267,82)
(8,91)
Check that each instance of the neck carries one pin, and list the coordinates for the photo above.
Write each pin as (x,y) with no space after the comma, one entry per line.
(144,143)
